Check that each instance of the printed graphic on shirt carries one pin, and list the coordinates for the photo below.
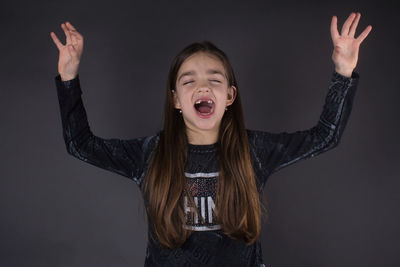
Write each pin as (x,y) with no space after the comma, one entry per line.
(202,187)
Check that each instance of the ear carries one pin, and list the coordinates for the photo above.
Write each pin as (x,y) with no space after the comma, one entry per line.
(231,95)
(177,104)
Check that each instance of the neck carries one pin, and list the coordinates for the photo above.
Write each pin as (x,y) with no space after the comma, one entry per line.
(202,137)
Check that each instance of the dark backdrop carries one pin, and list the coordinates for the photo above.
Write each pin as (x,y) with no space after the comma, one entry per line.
(337,209)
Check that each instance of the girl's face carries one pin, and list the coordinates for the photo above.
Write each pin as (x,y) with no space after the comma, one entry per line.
(202,93)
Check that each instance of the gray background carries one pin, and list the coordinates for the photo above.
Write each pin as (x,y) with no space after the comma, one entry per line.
(338,209)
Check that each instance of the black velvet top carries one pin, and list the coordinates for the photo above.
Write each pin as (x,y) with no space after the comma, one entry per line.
(208,245)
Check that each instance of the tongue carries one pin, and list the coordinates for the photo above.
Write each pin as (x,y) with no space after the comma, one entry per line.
(204,109)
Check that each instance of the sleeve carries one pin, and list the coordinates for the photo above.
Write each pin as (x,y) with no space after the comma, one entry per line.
(277,150)
(124,157)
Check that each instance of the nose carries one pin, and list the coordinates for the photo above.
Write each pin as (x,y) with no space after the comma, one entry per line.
(203,88)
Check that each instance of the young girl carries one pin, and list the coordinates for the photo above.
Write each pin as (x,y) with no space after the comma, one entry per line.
(202,175)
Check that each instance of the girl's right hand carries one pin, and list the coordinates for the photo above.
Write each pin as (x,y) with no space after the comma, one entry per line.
(70,53)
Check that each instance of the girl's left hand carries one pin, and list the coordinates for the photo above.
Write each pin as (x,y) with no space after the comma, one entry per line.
(345,52)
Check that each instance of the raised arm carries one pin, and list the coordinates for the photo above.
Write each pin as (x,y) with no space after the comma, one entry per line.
(125,157)
(274,151)
(277,150)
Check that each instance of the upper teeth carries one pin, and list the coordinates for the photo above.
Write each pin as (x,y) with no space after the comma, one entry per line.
(208,101)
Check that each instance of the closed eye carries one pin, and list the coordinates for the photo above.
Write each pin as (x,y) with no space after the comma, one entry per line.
(192,81)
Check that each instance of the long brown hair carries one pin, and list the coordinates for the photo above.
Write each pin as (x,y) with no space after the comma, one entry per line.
(238,206)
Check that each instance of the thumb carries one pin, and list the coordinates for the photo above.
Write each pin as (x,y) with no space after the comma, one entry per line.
(72,50)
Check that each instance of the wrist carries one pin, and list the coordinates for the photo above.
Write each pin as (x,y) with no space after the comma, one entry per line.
(347,73)
(67,77)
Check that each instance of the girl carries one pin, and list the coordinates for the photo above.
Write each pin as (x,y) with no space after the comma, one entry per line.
(202,175)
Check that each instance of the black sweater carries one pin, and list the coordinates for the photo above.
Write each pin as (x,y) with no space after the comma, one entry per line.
(208,245)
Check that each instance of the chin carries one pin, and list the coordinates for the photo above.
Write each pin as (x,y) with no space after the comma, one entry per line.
(201,123)
(206,125)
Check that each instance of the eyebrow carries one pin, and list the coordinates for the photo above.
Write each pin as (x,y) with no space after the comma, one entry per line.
(192,72)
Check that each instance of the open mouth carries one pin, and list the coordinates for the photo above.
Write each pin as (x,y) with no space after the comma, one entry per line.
(204,107)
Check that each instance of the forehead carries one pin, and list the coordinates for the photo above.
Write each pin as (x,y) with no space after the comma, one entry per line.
(201,61)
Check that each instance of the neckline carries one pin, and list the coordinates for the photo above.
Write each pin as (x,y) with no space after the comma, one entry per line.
(203,148)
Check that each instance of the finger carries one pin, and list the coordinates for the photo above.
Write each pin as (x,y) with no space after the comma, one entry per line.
(76,35)
(67,34)
(364,34)
(354,25)
(347,23)
(73,39)
(56,40)
(73,31)
(76,38)
(72,51)
(76,41)
(73,35)
(70,25)
(334,31)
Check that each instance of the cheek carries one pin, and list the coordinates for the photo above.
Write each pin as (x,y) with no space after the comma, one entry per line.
(186,102)
(222,95)
(179,98)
